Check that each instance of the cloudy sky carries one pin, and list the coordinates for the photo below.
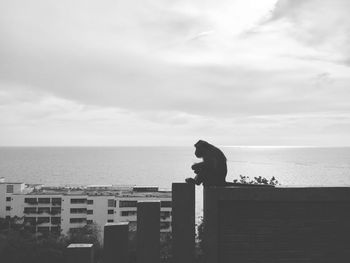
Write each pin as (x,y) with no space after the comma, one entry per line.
(167,72)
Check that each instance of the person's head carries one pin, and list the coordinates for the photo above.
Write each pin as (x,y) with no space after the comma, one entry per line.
(201,148)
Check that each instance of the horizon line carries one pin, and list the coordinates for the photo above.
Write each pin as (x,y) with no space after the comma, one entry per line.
(134,146)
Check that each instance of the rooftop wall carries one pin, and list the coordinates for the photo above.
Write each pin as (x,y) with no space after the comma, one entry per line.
(277,224)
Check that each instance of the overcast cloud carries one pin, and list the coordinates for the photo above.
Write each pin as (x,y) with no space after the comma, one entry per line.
(156,72)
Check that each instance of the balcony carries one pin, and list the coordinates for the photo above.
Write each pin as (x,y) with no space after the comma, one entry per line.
(56,201)
(78,210)
(55,211)
(43,210)
(31,201)
(78,201)
(128,213)
(30,210)
(43,220)
(44,200)
(30,221)
(56,220)
(77,220)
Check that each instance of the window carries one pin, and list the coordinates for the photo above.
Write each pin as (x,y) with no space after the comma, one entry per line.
(127,203)
(90,202)
(89,221)
(78,210)
(90,212)
(111,203)
(55,210)
(44,200)
(128,213)
(43,229)
(56,201)
(42,210)
(145,189)
(165,203)
(9,189)
(110,211)
(8,208)
(164,225)
(30,200)
(78,201)
(55,220)
(30,210)
(110,220)
(8,199)
(77,220)
(42,220)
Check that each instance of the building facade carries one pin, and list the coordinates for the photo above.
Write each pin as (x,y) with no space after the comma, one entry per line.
(63,209)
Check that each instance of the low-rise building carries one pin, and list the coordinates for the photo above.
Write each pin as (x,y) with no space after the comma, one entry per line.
(61,209)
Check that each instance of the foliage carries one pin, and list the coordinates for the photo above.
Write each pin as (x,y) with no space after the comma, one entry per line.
(165,248)
(256,181)
(20,245)
(89,234)
(199,240)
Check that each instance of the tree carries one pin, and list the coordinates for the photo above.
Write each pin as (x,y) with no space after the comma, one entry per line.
(11,223)
(256,181)
(89,234)
(18,244)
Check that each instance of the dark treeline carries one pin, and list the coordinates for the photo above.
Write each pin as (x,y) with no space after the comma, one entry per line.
(18,243)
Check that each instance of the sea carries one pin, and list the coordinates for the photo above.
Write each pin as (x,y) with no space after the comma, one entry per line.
(161,166)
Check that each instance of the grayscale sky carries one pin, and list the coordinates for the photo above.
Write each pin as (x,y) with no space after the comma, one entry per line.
(168,72)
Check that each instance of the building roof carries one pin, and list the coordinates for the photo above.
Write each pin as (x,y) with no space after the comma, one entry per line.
(122,191)
(11,182)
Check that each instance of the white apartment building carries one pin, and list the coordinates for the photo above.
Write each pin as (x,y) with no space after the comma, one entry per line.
(61,209)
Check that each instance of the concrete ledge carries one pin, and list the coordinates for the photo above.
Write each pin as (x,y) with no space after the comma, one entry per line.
(282,224)
(80,253)
(279,193)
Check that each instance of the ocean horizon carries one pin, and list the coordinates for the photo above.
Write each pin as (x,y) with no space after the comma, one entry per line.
(161,166)
(291,165)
